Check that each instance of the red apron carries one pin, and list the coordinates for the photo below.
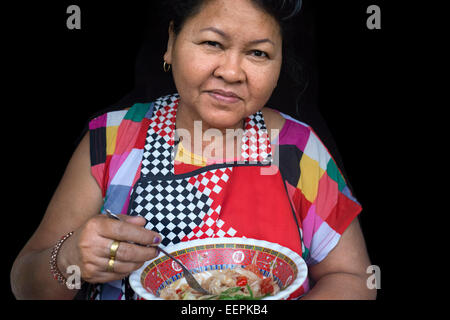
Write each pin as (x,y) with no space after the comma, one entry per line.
(235,199)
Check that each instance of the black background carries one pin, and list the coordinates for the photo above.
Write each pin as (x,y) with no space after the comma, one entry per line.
(58,78)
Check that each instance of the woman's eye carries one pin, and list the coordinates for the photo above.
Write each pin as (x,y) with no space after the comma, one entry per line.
(212,44)
(260,54)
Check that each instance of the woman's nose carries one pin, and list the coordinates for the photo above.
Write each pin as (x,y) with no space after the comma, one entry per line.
(230,69)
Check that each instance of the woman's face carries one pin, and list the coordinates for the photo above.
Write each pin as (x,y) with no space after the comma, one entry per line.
(226,61)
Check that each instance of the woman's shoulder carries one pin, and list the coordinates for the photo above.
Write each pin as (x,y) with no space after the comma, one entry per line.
(287,127)
(136,112)
(114,116)
(296,134)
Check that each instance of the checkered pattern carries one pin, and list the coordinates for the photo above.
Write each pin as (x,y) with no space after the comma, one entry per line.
(158,150)
(183,209)
(256,145)
(172,208)
(211,183)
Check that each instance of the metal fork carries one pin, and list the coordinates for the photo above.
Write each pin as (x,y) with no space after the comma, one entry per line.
(192,282)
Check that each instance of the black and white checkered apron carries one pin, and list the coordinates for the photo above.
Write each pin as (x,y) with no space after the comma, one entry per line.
(179,207)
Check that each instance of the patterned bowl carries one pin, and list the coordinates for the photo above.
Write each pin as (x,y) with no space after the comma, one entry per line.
(289,269)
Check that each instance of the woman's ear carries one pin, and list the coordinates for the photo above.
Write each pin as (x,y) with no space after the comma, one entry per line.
(170,44)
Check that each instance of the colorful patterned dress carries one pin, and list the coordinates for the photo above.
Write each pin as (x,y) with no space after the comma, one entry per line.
(288,190)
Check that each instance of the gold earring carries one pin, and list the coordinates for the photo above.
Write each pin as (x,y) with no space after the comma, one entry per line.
(166,66)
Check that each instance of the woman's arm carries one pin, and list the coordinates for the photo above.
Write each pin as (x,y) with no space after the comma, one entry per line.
(77,198)
(342,274)
(75,206)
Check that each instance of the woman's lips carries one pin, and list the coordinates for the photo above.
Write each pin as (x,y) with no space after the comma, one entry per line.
(224,97)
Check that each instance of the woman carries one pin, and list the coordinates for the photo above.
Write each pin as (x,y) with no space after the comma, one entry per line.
(209,161)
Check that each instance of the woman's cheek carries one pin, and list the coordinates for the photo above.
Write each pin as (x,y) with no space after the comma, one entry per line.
(261,83)
(196,68)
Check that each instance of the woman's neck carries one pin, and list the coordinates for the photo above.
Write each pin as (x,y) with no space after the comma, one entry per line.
(202,139)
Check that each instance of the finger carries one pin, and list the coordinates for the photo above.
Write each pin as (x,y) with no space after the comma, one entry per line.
(119,267)
(96,271)
(128,252)
(137,220)
(128,232)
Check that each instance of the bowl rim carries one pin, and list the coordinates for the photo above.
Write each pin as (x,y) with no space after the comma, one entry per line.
(302,269)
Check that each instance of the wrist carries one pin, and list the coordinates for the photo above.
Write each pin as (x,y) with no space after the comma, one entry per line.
(58,262)
(65,256)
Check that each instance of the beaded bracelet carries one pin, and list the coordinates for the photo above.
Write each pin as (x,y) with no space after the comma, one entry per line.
(57,275)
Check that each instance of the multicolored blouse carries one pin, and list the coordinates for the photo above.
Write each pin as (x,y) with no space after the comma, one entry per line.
(318,194)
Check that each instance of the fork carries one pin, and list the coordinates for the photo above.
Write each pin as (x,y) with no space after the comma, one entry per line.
(190,279)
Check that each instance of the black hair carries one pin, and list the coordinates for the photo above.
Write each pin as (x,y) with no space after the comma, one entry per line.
(282,10)
(179,11)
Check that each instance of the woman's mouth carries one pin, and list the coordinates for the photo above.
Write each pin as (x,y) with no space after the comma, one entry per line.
(224,96)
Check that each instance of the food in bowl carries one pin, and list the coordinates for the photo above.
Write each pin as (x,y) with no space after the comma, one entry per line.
(240,283)
(223,259)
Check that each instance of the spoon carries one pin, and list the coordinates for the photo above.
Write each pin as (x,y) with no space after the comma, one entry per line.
(192,282)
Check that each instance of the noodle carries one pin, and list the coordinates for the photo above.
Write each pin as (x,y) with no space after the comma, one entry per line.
(228,284)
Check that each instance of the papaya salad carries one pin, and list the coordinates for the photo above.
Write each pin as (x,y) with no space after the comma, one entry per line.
(240,283)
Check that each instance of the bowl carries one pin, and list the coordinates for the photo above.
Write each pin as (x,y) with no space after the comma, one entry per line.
(289,269)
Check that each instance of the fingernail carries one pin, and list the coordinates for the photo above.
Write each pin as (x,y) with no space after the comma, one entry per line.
(156,239)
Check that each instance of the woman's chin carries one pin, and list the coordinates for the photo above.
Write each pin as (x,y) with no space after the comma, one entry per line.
(223,120)
(216,114)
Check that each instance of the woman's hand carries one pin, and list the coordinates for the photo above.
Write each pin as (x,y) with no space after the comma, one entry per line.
(89,248)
